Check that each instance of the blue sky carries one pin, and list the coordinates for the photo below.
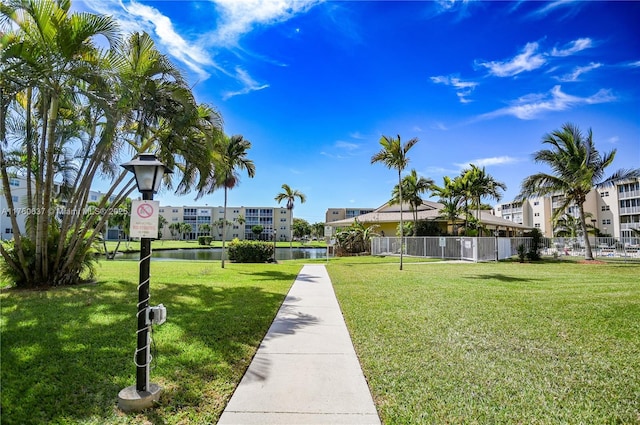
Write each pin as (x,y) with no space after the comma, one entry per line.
(313,85)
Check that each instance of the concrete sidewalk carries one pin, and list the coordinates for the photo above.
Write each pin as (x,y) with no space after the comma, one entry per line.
(306,370)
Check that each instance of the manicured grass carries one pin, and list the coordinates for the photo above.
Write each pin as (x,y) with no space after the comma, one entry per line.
(67,352)
(549,343)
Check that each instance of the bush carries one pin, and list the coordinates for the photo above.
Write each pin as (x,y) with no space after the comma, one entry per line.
(204,240)
(521,252)
(536,243)
(250,251)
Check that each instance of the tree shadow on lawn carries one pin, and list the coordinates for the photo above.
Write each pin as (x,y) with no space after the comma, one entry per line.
(501,278)
(66,353)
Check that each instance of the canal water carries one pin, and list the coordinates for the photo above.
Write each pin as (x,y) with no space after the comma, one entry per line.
(205,254)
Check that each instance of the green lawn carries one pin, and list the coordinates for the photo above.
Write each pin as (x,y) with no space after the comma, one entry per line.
(550,343)
(67,352)
(556,342)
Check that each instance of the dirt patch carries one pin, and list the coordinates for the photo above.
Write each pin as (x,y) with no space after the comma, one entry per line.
(591,262)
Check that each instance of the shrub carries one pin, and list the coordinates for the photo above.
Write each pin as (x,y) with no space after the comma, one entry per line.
(250,251)
(204,240)
(79,270)
(536,243)
(521,252)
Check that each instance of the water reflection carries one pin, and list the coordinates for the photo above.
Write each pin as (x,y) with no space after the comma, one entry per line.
(207,254)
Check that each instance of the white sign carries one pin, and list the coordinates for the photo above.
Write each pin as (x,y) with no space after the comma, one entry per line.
(443,242)
(328,231)
(144,219)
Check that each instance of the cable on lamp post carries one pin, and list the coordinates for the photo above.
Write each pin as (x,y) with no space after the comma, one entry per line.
(148,172)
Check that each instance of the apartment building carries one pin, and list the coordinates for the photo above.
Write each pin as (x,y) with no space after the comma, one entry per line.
(19,198)
(240,222)
(613,211)
(335,214)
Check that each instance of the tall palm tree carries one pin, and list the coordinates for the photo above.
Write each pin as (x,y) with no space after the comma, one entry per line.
(413,187)
(232,158)
(290,196)
(394,155)
(577,168)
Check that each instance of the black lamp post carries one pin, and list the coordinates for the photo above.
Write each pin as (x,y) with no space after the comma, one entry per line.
(148,172)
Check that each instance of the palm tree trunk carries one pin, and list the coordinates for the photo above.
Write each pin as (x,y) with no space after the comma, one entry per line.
(224,226)
(291,229)
(588,254)
(401,222)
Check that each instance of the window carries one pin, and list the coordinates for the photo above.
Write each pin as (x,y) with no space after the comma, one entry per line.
(334,212)
(175,210)
(161,210)
(536,215)
(605,208)
(536,203)
(15,199)
(604,194)
(537,225)
(606,221)
(94,197)
(8,230)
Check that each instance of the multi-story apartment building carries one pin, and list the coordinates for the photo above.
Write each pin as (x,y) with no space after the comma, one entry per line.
(240,222)
(335,214)
(19,198)
(614,211)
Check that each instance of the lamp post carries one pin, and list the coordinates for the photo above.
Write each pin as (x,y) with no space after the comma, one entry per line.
(148,172)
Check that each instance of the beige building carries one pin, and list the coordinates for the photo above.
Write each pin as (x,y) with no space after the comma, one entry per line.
(387,217)
(335,214)
(614,210)
(240,222)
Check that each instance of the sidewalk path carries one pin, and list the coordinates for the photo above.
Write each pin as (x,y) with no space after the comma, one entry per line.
(305,370)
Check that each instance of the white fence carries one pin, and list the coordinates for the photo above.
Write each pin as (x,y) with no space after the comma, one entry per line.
(493,249)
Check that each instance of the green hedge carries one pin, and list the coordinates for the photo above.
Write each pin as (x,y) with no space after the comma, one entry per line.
(250,251)
(204,240)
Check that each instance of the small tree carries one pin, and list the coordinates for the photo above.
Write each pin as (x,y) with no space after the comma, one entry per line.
(257,230)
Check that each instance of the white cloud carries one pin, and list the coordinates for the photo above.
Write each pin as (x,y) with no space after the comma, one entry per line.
(573,47)
(533,105)
(578,71)
(613,140)
(635,64)
(238,17)
(528,60)
(357,135)
(463,88)
(193,56)
(495,160)
(346,145)
(249,84)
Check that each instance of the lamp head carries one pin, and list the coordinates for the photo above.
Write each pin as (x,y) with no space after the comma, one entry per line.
(148,172)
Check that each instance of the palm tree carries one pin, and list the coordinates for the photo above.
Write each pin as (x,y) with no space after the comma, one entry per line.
(49,55)
(450,198)
(290,196)
(394,155)
(480,185)
(232,157)
(577,168)
(413,187)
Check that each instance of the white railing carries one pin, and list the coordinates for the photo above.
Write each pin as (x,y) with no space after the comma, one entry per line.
(492,249)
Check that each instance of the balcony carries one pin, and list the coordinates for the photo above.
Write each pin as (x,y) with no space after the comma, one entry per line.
(629,194)
(629,210)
